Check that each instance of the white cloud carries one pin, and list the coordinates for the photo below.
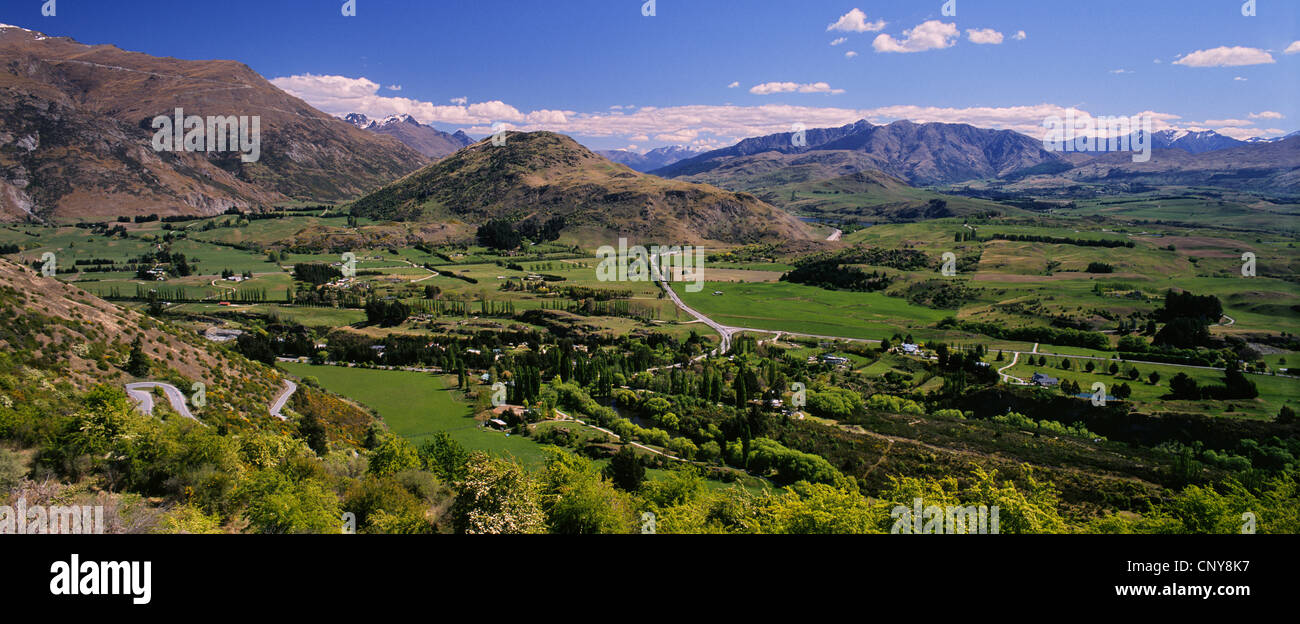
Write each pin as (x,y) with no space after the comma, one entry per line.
(1219,123)
(705,126)
(1020,35)
(1240,79)
(460,100)
(1226,57)
(1267,115)
(1248,133)
(1294,48)
(839,41)
(768,88)
(1121,71)
(856,21)
(931,35)
(339,95)
(394,87)
(734,85)
(850,54)
(984,36)
(546,117)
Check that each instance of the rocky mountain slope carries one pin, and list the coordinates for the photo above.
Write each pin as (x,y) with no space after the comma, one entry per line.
(77,140)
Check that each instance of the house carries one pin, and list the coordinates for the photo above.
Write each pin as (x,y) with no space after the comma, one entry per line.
(497,423)
(910,349)
(1040,379)
(835,359)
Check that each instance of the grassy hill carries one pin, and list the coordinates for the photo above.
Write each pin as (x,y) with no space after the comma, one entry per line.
(873,196)
(536,176)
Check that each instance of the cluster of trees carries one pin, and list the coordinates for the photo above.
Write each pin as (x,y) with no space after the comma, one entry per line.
(386,313)
(940,294)
(174,264)
(1235,386)
(315,273)
(901,259)
(832,275)
(505,235)
(1046,335)
(1061,240)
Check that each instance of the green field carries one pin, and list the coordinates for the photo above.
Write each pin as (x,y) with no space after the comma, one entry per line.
(810,310)
(418,405)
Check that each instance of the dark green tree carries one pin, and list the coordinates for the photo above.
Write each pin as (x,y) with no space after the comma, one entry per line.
(626,470)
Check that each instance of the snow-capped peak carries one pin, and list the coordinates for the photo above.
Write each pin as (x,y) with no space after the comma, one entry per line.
(392,119)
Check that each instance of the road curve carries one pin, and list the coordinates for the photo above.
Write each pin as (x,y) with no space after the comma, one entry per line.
(142,395)
(723,331)
(289,389)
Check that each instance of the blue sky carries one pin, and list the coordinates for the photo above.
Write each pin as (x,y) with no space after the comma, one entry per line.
(710,72)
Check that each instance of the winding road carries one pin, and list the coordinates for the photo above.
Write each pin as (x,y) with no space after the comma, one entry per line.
(289,389)
(141,393)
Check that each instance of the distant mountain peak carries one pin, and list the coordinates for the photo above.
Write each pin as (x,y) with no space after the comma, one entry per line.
(427,140)
(652,159)
(1193,141)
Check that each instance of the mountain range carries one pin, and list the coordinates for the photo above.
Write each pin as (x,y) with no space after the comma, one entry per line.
(653,159)
(76,138)
(921,154)
(427,140)
(942,153)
